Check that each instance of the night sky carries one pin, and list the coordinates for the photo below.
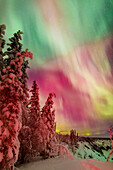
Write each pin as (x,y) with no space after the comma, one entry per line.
(72,46)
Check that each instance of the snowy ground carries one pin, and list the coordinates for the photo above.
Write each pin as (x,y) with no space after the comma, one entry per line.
(64,164)
(88,155)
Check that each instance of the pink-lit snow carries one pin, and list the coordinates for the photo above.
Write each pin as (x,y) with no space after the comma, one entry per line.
(66,164)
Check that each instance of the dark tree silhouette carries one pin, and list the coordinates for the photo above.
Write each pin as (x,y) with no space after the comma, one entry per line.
(2,43)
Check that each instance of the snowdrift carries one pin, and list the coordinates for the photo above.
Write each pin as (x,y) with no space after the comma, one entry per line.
(64,164)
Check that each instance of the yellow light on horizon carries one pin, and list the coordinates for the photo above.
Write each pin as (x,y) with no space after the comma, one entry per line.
(88,134)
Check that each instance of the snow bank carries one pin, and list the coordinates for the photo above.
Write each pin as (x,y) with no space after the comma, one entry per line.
(63,164)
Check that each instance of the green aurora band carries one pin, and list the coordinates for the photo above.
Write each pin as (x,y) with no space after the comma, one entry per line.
(71,41)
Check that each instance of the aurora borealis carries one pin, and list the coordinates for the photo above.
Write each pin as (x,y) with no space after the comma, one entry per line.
(72,46)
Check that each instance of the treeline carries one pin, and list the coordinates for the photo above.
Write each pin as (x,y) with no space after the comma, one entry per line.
(26,130)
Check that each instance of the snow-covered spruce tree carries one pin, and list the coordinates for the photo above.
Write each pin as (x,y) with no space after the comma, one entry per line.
(24,78)
(34,105)
(29,143)
(11,95)
(16,47)
(39,139)
(25,132)
(48,117)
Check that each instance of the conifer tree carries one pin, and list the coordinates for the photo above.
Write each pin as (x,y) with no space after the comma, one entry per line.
(48,117)
(12,96)
(16,47)
(34,105)
(72,136)
(39,139)
(2,41)
(29,143)
(23,80)
(43,127)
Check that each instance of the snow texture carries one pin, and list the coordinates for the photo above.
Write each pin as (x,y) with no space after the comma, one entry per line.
(66,164)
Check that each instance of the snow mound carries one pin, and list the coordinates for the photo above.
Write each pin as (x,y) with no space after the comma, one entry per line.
(64,164)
